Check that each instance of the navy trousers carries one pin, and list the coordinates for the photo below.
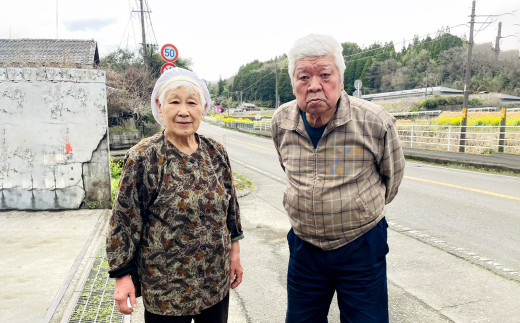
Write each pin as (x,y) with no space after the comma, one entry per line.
(356,272)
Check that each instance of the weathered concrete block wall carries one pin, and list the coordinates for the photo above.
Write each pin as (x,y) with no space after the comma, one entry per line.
(124,139)
(53,139)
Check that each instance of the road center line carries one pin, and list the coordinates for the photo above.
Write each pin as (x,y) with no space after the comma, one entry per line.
(471,189)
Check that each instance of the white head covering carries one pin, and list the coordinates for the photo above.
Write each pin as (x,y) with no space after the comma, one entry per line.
(170,76)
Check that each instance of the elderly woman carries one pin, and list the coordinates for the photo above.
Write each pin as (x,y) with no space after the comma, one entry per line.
(176,223)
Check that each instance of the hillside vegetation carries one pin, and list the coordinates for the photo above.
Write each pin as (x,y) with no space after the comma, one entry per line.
(438,61)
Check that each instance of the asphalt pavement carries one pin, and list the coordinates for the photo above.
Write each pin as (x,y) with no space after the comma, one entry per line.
(48,257)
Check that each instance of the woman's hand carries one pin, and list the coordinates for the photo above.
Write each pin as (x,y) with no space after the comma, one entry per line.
(236,268)
(125,289)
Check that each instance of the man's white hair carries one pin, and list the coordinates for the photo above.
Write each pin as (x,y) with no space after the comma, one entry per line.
(315,45)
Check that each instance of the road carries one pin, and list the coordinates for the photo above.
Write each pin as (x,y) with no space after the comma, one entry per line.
(471,215)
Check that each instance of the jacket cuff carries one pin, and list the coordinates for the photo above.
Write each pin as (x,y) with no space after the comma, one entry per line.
(127,269)
(238,237)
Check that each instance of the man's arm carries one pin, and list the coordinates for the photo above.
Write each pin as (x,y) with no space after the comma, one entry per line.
(392,163)
(274,136)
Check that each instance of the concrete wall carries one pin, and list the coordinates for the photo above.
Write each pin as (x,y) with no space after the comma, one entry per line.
(53,139)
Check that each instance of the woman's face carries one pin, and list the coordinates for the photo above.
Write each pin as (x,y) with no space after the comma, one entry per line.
(181,111)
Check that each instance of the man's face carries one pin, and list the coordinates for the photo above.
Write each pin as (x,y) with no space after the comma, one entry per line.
(317,85)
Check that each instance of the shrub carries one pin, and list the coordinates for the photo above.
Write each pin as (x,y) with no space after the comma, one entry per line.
(449,121)
(431,104)
(454,100)
(116,168)
(513,122)
(484,121)
(475,102)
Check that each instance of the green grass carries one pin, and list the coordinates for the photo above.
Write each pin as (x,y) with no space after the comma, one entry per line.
(242,182)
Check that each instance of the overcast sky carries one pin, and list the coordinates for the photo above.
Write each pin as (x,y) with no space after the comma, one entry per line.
(219,36)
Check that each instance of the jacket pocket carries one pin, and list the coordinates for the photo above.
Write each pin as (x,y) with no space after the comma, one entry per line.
(371,203)
(152,262)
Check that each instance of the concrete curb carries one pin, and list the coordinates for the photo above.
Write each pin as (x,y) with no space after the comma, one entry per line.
(63,305)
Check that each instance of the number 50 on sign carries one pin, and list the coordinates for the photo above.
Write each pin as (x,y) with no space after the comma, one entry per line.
(169,53)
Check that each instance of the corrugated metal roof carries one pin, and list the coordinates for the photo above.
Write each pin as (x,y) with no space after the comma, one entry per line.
(48,52)
(507,97)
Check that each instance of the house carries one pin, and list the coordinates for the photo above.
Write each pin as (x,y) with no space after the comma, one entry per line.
(247,107)
(48,53)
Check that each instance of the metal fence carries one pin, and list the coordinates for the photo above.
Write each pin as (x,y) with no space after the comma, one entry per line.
(263,125)
(479,139)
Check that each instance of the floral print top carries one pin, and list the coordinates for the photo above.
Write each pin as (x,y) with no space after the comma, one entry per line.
(173,221)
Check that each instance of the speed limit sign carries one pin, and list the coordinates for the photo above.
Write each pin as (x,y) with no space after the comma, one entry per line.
(169,53)
(167,66)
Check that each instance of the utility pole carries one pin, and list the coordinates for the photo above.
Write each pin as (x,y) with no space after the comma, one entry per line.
(497,41)
(464,121)
(143,33)
(56,22)
(277,103)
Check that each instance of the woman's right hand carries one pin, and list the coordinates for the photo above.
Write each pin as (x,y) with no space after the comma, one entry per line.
(125,289)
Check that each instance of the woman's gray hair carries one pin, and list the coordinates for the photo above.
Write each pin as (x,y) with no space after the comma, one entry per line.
(174,78)
(182,83)
(314,45)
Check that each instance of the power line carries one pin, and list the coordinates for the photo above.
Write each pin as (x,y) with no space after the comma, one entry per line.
(405,41)
(151,25)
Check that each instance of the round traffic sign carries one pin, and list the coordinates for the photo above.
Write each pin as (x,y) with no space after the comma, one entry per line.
(167,66)
(169,53)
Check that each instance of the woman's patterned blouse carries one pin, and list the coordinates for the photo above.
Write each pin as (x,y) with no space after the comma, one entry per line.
(173,221)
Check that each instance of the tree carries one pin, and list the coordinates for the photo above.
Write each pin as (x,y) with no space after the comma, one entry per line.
(130,83)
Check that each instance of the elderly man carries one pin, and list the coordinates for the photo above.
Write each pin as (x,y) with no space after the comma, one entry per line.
(343,163)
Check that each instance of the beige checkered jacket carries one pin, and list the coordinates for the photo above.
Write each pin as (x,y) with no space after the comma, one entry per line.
(338,191)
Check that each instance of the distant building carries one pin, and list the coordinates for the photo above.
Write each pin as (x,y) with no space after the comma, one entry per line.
(48,53)
(506,98)
(496,97)
(247,107)
(424,93)
(415,94)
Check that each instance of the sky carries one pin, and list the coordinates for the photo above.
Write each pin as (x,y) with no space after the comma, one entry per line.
(220,36)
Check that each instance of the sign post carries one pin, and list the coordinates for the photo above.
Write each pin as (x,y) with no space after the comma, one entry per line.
(358,85)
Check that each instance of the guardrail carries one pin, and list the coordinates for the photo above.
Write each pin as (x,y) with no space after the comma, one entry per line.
(479,139)
(263,125)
